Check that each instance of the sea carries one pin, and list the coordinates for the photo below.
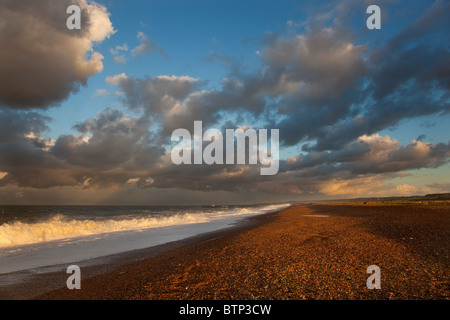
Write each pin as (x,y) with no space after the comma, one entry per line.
(33,237)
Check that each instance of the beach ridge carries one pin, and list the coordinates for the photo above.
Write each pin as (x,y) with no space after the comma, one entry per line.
(309,251)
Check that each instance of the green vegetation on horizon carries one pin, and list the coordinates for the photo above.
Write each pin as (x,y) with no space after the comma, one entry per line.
(434,198)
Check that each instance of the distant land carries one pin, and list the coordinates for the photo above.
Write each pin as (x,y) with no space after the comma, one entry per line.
(433,198)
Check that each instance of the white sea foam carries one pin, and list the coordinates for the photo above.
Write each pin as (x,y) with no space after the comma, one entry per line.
(59,240)
(61,227)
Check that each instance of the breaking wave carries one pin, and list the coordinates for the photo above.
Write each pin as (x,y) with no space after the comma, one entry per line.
(60,227)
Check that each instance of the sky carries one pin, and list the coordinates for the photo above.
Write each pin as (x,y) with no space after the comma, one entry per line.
(86,115)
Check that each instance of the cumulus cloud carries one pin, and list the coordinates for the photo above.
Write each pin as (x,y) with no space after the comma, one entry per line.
(314,66)
(328,94)
(115,80)
(313,87)
(15,124)
(375,154)
(24,152)
(118,53)
(43,61)
(146,46)
(164,99)
(110,140)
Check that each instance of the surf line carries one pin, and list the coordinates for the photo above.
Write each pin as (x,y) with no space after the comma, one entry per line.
(213,153)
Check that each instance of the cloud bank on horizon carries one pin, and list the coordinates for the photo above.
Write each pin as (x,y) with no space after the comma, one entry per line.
(332,89)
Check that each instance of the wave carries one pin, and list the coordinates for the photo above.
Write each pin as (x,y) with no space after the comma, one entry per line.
(60,227)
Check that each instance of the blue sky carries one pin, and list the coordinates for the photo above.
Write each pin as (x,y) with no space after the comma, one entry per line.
(190,31)
(355,107)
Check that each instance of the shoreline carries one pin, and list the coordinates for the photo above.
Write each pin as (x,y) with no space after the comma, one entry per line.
(38,281)
(314,251)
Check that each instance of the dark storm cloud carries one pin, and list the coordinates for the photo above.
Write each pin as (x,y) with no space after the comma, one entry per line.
(375,154)
(176,102)
(327,91)
(41,61)
(312,76)
(24,153)
(109,150)
(148,94)
(15,125)
(406,77)
(111,141)
(327,94)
